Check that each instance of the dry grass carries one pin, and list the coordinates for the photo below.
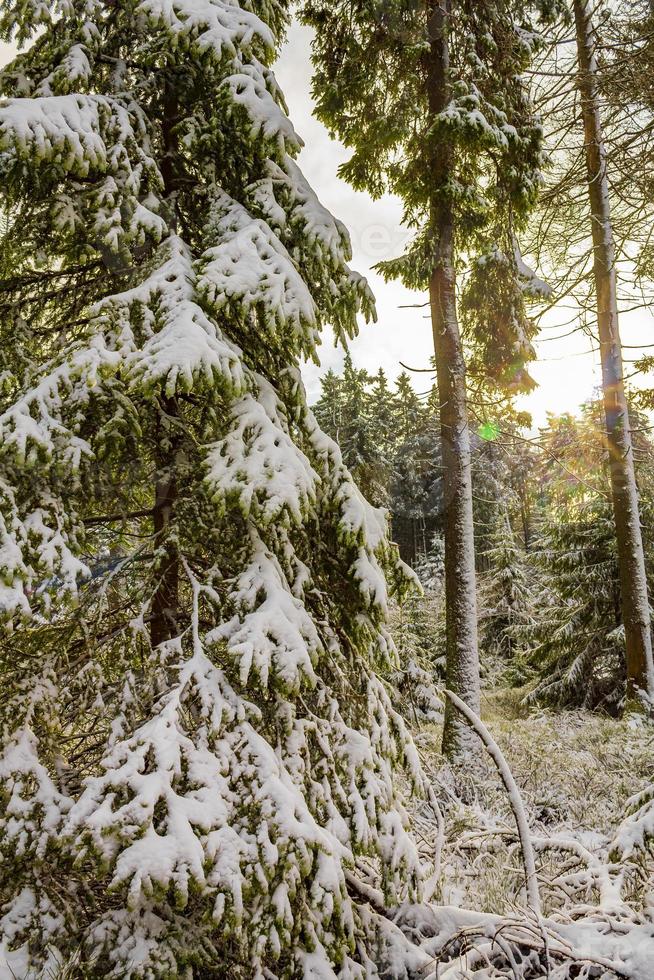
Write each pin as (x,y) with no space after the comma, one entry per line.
(575,771)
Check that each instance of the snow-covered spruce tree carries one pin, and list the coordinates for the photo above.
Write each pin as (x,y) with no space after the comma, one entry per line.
(196,748)
(493,497)
(419,631)
(576,638)
(506,596)
(416,500)
(329,408)
(634,598)
(344,411)
(381,411)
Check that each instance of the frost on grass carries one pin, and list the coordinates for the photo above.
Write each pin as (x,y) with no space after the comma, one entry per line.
(197,748)
(577,775)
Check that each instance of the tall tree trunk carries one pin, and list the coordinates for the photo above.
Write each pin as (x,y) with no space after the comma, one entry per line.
(633,582)
(165,602)
(462,658)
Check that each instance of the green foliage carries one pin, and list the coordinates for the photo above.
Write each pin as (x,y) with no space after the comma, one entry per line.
(390,441)
(495,321)
(418,626)
(479,158)
(576,637)
(196,744)
(506,597)
(356,413)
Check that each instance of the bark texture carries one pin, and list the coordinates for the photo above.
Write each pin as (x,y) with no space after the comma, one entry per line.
(633,582)
(165,602)
(462,661)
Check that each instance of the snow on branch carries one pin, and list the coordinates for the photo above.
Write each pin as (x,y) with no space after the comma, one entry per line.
(78,135)
(182,343)
(248,268)
(317,222)
(514,796)
(28,794)
(636,832)
(271,632)
(258,464)
(250,89)
(216,27)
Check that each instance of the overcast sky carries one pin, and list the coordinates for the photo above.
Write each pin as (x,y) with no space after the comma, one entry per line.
(566,372)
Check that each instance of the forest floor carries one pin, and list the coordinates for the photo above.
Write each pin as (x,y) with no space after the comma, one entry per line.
(576,772)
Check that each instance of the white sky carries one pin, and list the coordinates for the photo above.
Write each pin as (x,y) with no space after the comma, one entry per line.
(566,373)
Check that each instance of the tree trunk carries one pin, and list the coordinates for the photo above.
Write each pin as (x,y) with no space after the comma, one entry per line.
(166,599)
(462,658)
(165,602)
(633,582)
(525,515)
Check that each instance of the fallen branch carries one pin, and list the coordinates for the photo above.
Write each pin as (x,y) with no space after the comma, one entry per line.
(515,799)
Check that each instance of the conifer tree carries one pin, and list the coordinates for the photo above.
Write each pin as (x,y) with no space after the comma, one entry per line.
(196,746)
(575,635)
(492,496)
(593,234)
(431,98)
(408,408)
(418,630)
(383,431)
(506,596)
(415,497)
(389,443)
(345,410)
(329,407)
(357,438)
(381,408)
(576,640)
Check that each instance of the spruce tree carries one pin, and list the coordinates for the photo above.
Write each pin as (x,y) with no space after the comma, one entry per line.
(381,405)
(575,636)
(432,99)
(506,597)
(356,438)
(493,498)
(415,491)
(345,411)
(196,746)
(576,639)
(624,491)
(408,407)
(389,443)
(593,234)
(328,410)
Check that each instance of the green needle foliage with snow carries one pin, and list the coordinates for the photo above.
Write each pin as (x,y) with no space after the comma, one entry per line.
(389,443)
(197,751)
(347,411)
(506,595)
(574,633)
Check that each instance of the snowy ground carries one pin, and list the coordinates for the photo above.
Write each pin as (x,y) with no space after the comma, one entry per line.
(577,773)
